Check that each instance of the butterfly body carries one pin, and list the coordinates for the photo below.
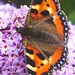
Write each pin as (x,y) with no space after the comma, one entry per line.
(45,37)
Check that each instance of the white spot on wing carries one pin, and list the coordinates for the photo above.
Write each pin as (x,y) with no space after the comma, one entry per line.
(50,10)
(36,7)
(45,61)
(31,68)
(30,56)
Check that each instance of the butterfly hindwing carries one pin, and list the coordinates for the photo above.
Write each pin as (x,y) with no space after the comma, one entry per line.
(37,64)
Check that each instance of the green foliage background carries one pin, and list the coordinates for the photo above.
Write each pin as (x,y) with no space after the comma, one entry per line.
(68,6)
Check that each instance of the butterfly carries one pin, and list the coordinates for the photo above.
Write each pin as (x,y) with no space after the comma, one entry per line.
(45,37)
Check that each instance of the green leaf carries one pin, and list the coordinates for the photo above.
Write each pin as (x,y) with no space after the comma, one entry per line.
(71,17)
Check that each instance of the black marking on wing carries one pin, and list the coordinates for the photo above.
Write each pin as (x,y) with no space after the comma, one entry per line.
(29,51)
(57,5)
(40,56)
(45,13)
(45,73)
(47,5)
(42,64)
(51,69)
(29,61)
(31,72)
(46,53)
(45,0)
(34,11)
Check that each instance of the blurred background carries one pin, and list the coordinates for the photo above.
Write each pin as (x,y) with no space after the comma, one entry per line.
(68,6)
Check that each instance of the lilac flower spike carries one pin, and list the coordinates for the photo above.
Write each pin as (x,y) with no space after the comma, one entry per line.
(12,61)
(69,68)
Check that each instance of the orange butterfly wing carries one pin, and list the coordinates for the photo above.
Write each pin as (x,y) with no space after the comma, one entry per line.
(37,63)
(42,8)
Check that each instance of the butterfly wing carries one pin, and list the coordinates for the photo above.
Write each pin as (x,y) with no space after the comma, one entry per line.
(47,34)
(42,8)
(37,64)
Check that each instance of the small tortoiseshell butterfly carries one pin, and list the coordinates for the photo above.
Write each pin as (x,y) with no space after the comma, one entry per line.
(45,37)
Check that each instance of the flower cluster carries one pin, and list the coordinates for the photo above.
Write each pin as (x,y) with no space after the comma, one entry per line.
(11,17)
(69,68)
(12,61)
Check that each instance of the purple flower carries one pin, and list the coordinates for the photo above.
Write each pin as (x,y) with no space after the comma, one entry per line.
(1,2)
(10,18)
(12,59)
(11,54)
